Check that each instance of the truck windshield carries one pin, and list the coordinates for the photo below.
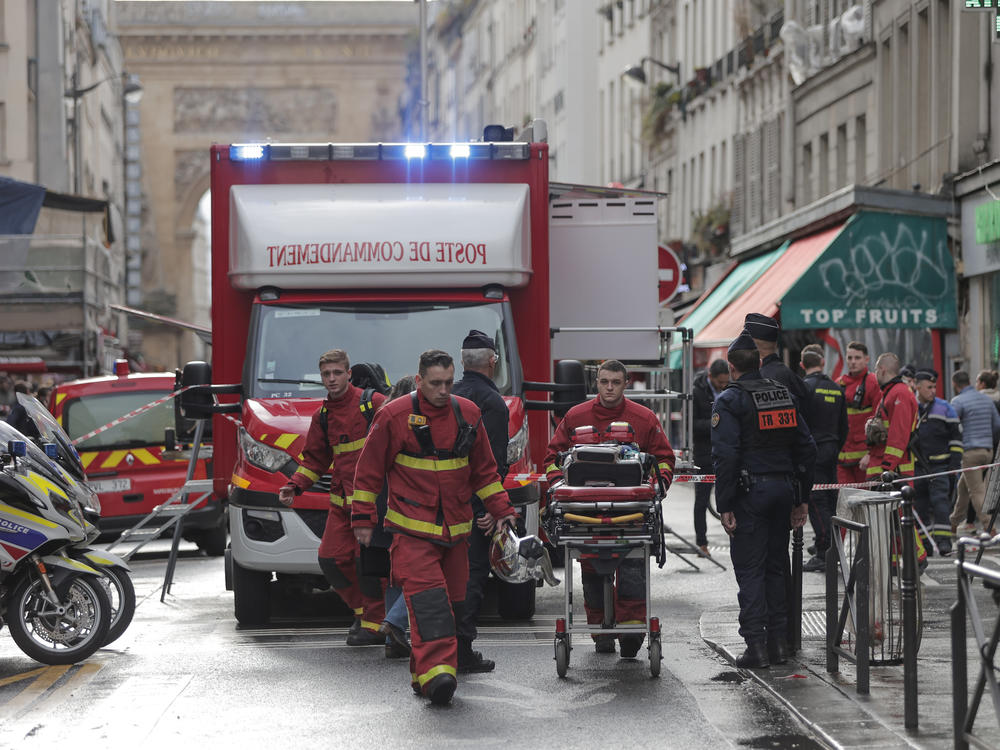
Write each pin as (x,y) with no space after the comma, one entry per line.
(290,338)
(81,415)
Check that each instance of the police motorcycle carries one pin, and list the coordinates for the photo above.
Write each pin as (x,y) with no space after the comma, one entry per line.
(114,571)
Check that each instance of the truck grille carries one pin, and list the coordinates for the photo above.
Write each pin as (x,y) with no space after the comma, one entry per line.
(314,519)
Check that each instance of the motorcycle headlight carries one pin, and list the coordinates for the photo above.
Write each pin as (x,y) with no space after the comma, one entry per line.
(260,455)
(517,444)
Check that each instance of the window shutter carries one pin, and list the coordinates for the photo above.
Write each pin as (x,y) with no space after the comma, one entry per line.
(736,219)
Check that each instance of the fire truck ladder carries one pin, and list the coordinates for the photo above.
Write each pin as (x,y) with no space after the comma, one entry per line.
(170,513)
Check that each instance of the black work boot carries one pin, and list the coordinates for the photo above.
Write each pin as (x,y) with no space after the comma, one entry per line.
(355,627)
(471,662)
(365,637)
(440,689)
(777,651)
(604,644)
(755,656)
(629,645)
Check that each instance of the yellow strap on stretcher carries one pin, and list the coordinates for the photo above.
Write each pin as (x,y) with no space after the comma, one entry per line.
(603,520)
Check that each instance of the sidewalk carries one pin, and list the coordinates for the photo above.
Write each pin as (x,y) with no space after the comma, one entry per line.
(829,704)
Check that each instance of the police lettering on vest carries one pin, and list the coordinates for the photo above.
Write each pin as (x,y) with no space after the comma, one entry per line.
(773,404)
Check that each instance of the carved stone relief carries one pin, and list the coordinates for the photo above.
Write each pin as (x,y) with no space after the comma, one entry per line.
(254,111)
(188,167)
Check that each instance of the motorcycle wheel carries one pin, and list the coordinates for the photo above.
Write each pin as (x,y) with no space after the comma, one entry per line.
(51,637)
(118,586)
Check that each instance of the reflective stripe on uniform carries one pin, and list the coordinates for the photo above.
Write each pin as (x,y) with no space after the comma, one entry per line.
(433,672)
(337,500)
(431,464)
(490,489)
(354,445)
(312,476)
(851,411)
(894,452)
(373,626)
(363,496)
(424,527)
(851,455)
(460,529)
(551,468)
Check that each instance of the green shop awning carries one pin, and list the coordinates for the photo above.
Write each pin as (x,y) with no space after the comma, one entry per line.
(882,271)
(733,285)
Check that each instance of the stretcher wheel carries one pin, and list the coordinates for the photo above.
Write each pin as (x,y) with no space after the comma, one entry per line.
(655,656)
(562,656)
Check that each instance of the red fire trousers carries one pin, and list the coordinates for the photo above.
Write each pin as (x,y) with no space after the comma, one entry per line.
(339,546)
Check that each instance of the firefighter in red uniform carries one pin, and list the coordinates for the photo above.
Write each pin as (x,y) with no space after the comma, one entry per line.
(612,406)
(337,447)
(861,393)
(894,419)
(435,451)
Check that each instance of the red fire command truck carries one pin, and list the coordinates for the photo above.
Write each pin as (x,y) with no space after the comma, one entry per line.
(387,250)
(128,464)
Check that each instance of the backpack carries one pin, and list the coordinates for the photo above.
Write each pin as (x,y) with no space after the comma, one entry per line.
(370,375)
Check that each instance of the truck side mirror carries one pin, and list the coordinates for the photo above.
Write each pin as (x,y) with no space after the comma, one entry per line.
(569,376)
(195,403)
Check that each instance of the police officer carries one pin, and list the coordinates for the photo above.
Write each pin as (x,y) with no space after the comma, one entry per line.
(937,448)
(764,459)
(826,412)
(479,360)
(434,450)
(764,331)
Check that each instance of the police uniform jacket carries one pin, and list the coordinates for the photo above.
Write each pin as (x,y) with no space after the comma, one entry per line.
(428,495)
(649,435)
(703,396)
(337,450)
(483,392)
(773,368)
(857,414)
(825,410)
(759,440)
(939,436)
(898,412)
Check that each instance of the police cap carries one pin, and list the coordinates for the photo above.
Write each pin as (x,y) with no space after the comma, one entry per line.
(743,341)
(926,373)
(478,340)
(761,327)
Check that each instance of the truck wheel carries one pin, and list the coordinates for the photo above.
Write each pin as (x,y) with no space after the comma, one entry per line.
(251,596)
(516,601)
(212,541)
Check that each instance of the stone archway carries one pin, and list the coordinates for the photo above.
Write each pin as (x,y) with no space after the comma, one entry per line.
(222,72)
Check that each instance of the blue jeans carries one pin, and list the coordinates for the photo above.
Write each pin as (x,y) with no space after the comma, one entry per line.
(395,607)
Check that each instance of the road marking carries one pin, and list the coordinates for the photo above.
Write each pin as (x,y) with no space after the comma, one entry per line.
(77,680)
(46,679)
(23,676)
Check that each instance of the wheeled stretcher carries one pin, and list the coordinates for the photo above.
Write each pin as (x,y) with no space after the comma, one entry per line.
(605,511)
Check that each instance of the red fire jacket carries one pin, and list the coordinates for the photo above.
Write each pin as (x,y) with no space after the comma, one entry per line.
(854,446)
(898,411)
(339,449)
(428,496)
(649,435)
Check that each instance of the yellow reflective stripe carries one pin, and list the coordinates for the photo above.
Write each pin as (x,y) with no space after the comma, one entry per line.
(312,476)
(431,464)
(851,455)
(27,516)
(285,439)
(354,445)
(894,452)
(374,626)
(905,467)
(425,527)
(550,468)
(59,399)
(86,458)
(460,529)
(631,622)
(830,391)
(239,481)
(490,489)
(363,496)
(957,449)
(114,459)
(336,500)
(665,468)
(851,410)
(359,610)
(433,672)
(45,485)
(938,457)
(145,456)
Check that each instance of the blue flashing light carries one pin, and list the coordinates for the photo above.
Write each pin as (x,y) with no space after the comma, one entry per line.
(17,448)
(460,151)
(246,152)
(52,450)
(415,151)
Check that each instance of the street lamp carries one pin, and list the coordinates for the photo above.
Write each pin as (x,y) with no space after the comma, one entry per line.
(131,94)
(636,72)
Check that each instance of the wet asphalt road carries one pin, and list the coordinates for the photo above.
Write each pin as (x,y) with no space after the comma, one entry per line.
(185,673)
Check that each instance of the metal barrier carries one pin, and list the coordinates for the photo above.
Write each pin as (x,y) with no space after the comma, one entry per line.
(964,715)
(855,576)
(794,598)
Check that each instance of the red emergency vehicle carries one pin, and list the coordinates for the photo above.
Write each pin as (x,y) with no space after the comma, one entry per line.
(387,250)
(128,464)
